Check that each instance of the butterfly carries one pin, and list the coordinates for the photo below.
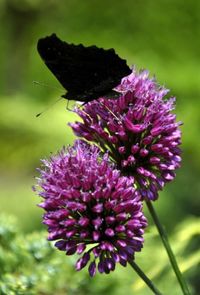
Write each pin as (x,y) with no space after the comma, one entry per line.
(87,73)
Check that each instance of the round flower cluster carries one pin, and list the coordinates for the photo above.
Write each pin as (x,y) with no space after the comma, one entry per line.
(90,208)
(138,129)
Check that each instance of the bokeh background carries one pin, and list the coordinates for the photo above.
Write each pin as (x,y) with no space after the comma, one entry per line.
(161,36)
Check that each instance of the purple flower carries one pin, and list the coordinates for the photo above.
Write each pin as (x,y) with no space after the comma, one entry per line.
(90,209)
(138,129)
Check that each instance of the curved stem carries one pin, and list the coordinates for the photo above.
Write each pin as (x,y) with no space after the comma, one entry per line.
(167,246)
(144,278)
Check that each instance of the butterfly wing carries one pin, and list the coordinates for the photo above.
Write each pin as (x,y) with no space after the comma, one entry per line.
(85,72)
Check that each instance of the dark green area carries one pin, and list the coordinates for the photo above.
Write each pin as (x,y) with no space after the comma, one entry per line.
(162,36)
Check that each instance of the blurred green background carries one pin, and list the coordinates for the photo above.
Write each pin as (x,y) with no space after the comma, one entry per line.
(161,36)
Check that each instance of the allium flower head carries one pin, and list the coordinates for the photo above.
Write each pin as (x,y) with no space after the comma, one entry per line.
(90,209)
(138,129)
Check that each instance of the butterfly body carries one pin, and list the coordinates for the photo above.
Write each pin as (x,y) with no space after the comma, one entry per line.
(87,73)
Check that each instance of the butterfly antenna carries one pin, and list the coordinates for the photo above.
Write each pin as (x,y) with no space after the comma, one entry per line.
(49,107)
(46,85)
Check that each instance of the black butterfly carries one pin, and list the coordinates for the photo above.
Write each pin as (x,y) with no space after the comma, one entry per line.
(87,73)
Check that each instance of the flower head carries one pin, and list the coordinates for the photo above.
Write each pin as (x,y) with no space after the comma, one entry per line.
(90,209)
(139,131)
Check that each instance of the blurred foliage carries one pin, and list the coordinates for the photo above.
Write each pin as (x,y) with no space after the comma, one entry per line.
(162,36)
(31,265)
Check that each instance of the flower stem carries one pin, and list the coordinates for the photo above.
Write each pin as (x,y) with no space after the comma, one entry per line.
(144,277)
(167,246)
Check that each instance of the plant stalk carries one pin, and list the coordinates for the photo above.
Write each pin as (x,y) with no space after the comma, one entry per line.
(168,249)
(144,278)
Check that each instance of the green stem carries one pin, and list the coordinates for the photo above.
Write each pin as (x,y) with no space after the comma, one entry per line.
(144,278)
(167,246)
